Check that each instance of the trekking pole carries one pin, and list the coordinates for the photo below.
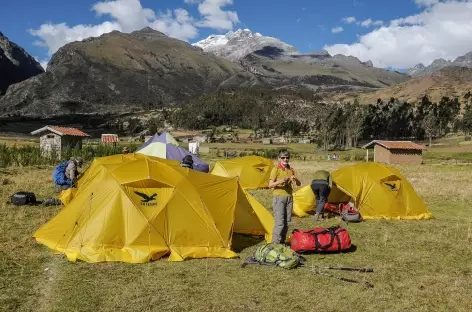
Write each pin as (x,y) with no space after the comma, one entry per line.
(366,283)
(362,270)
(319,272)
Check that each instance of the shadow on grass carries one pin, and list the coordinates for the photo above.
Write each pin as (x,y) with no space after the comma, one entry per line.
(241,241)
(352,249)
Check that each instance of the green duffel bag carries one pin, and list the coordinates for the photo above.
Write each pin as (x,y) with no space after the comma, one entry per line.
(276,255)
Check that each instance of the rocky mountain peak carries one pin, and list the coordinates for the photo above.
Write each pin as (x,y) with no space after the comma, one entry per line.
(438,64)
(16,64)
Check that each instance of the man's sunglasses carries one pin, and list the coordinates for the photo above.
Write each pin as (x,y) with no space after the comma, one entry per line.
(285,158)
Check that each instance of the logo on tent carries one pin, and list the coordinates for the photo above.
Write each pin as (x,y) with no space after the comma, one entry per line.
(260,169)
(147,200)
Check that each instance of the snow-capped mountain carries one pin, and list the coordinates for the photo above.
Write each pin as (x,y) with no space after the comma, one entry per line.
(235,45)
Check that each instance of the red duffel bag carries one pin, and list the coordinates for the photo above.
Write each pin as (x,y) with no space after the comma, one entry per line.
(332,239)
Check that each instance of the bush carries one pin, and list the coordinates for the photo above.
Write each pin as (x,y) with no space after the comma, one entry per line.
(21,156)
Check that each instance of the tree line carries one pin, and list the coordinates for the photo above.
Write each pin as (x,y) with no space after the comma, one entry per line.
(339,125)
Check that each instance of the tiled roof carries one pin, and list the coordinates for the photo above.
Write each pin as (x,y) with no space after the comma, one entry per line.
(69,131)
(62,131)
(404,145)
(110,138)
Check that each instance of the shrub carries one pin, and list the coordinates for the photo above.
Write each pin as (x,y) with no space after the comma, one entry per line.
(21,156)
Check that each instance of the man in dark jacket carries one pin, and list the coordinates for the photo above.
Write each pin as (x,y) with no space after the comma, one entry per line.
(187,162)
(321,186)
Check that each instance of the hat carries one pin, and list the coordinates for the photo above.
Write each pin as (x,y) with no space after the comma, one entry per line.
(79,161)
(284,153)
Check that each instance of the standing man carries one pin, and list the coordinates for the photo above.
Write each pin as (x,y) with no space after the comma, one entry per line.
(321,186)
(281,181)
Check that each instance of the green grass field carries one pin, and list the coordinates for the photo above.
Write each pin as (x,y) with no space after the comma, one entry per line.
(419,265)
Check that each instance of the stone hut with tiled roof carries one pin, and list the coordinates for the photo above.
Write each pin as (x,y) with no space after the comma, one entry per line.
(55,138)
(396,152)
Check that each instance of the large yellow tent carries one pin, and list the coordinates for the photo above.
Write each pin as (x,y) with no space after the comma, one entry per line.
(379,191)
(138,208)
(253,171)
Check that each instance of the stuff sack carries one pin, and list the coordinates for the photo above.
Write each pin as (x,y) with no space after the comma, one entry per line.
(277,255)
(332,239)
(351,215)
(336,208)
(23,198)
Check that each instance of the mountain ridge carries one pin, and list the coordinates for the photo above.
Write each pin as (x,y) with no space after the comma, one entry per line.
(438,64)
(118,73)
(16,64)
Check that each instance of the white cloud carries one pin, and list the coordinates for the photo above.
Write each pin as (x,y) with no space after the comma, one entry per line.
(43,63)
(441,31)
(129,15)
(215,17)
(426,3)
(336,30)
(369,22)
(349,20)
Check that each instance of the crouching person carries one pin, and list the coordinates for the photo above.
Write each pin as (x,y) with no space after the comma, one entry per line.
(66,174)
(321,187)
(281,181)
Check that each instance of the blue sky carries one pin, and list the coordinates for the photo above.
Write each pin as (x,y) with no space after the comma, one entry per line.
(401,32)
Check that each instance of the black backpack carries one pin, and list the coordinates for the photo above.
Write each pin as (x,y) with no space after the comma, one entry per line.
(23,198)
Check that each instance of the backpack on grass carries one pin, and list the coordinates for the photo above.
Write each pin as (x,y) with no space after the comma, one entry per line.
(23,199)
(275,255)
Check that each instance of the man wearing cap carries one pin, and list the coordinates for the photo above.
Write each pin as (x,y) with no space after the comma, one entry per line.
(66,174)
(187,162)
(281,181)
(72,171)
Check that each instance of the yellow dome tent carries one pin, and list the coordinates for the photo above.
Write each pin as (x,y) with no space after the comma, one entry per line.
(140,209)
(253,171)
(379,191)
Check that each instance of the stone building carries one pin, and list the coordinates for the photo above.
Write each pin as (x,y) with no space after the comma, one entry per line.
(56,139)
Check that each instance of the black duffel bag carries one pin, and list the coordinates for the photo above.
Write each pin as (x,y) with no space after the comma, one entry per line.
(23,198)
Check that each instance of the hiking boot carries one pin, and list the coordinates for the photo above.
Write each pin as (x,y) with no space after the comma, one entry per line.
(317,217)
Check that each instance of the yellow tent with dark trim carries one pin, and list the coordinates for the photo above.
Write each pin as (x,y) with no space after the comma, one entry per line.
(253,171)
(137,208)
(379,191)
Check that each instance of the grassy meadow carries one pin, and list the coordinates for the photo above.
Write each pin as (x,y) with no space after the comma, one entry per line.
(418,265)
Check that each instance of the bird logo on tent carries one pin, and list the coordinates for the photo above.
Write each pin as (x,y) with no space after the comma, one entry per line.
(260,169)
(392,186)
(146,199)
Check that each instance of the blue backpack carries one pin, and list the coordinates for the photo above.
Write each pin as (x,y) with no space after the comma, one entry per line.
(58,175)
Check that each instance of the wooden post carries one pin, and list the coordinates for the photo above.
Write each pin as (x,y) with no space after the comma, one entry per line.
(367,151)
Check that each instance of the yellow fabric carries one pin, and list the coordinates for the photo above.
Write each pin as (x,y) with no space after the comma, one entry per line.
(285,189)
(137,208)
(379,191)
(66,196)
(253,171)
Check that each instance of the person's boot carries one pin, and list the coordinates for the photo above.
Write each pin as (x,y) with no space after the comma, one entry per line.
(317,217)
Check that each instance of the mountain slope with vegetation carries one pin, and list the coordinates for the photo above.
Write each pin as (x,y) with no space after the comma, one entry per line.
(448,82)
(118,73)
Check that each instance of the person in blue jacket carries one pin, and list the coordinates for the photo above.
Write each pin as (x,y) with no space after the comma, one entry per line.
(65,175)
